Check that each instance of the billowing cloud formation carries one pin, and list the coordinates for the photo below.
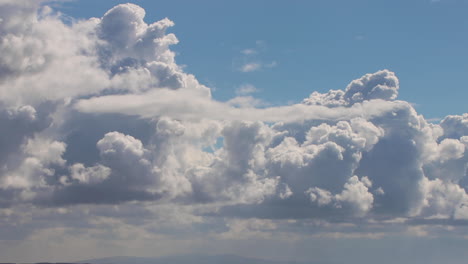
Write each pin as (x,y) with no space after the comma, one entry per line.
(98,112)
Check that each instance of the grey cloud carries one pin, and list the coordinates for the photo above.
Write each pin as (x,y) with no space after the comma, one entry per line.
(126,174)
(21,156)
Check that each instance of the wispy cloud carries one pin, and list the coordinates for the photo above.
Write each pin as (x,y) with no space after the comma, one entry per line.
(246,89)
(256,66)
(250,67)
(271,64)
(252,58)
(249,51)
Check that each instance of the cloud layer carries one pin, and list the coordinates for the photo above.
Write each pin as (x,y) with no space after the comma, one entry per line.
(96,113)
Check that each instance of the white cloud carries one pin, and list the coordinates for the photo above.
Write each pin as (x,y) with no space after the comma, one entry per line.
(248,51)
(322,197)
(163,102)
(246,89)
(250,67)
(256,66)
(252,59)
(355,193)
(93,175)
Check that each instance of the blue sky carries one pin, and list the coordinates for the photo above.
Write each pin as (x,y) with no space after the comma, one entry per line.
(318,45)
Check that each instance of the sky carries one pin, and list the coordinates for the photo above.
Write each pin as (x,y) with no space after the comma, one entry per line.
(304,46)
(321,131)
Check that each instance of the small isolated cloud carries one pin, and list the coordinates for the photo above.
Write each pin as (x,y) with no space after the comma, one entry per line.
(271,64)
(246,89)
(256,66)
(249,51)
(252,58)
(250,67)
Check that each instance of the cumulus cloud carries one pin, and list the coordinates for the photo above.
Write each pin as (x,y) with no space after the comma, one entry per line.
(380,85)
(91,175)
(98,112)
(355,194)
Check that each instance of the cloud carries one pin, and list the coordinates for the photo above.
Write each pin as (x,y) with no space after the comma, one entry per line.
(96,113)
(91,175)
(248,51)
(256,66)
(355,193)
(250,67)
(164,102)
(252,59)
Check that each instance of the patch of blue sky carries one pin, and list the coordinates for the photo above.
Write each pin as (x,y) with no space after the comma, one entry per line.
(288,49)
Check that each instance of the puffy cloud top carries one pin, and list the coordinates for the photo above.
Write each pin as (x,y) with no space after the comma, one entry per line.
(382,85)
(123,25)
